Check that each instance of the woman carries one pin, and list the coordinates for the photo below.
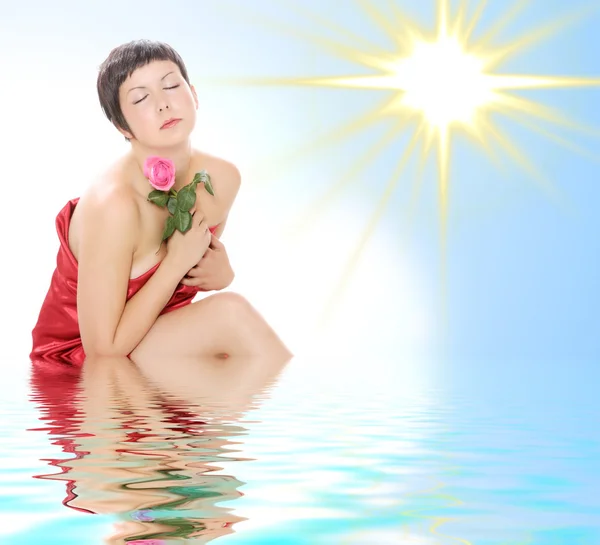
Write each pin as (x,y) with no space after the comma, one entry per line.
(112,293)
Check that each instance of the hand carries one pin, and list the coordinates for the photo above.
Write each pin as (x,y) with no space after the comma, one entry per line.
(184,250)
(213,271)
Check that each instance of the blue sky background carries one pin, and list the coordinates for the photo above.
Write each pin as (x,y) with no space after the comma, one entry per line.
(523,267)
(520,342)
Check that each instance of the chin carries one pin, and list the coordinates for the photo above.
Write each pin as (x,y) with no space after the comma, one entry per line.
(170,141)
(181,133)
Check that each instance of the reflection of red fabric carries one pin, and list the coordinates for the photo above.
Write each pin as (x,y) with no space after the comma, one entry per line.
(56,333)
(55,390)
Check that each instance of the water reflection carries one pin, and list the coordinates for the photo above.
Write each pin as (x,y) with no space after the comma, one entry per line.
(146,441)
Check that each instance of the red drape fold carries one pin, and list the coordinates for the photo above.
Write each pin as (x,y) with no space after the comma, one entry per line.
(56,333)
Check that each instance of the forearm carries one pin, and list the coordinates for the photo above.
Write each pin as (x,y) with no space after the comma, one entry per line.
(212,273)
(142,310)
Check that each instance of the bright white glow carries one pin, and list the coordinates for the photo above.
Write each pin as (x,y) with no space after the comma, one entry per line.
(380,327)
(289,280)
(444,82)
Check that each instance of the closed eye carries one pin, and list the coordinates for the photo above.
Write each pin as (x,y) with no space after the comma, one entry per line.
(141,99)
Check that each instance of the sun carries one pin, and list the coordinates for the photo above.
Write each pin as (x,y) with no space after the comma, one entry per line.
(444,78)
(443,82)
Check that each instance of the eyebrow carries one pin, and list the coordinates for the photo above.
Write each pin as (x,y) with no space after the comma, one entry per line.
(142,87)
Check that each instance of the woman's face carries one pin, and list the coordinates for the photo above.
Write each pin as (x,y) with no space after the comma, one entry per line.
(153,94)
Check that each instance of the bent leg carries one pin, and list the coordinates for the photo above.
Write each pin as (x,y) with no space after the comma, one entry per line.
(222,323)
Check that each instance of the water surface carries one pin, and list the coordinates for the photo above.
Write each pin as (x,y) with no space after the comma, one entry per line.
(256,455)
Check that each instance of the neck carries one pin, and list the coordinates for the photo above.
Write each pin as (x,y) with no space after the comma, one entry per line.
(181,157)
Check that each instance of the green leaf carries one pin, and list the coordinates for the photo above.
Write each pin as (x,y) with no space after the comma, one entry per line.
(172,204)
(201,176)
(186,197)
(182,219)
(158,197)
(208,186)
(169,228)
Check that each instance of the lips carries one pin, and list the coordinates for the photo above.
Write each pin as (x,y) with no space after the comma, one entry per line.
(170,123)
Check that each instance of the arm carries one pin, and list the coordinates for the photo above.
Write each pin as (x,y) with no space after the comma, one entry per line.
(213,271)
(221,227)
(109,325)
(229,182)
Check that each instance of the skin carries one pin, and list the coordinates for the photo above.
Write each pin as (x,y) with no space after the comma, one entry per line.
(115,233)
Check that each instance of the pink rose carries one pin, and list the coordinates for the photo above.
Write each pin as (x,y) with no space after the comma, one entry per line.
(160,172)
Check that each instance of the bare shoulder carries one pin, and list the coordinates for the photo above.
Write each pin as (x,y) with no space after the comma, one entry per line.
(107,204)
(109,193)
(225,175)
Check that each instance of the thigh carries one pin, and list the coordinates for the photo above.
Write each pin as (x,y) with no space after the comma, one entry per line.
(229,387)
(224,322)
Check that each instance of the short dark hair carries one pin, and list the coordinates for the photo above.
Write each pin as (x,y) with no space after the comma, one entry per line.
(121,62)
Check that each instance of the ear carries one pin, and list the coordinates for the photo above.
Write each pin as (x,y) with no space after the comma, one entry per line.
(195,95)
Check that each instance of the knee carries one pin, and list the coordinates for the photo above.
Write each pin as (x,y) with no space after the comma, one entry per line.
(232,302)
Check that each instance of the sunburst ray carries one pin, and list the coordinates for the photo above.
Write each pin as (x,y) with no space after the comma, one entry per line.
(356,39)
(564,142)
(349,176)
(408,29)
(384,23)
(369,229)
(483,43)
(531,37)
(452,86)
(337,135)
(467,32)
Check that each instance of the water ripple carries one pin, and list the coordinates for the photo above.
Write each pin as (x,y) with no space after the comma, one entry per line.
(283,463)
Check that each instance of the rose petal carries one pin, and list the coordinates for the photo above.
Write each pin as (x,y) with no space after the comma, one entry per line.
(160,172)
(149,163)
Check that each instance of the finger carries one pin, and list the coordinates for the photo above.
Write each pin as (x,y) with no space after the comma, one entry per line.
(196,212)
(201,266)
(194,273)
(215,242)
(195,282)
